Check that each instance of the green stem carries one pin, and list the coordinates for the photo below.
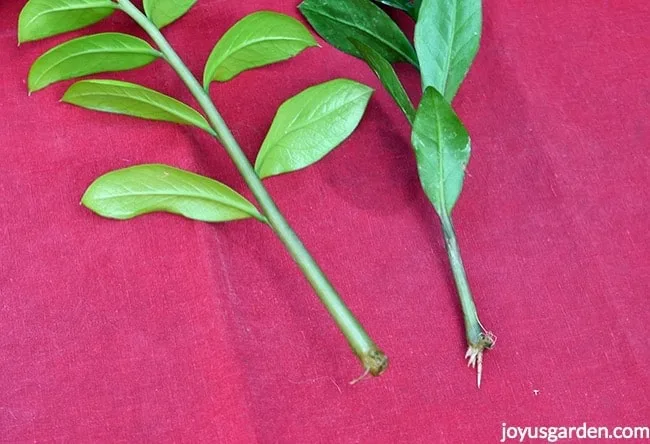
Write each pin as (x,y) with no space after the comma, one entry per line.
(472,325)
(372,358)
(477,338)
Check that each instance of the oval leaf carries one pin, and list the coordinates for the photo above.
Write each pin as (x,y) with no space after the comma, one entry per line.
(45,18)
(90,55)
(130,192)
(310,125)
(388,78)
(258,39)
(164,12)
(442,149)
(117,97)
(447,36)
(339,21)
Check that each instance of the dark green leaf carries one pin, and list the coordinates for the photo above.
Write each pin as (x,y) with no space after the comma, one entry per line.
(142,189)
(258,39)
(310,125)
(447,36)
(442,149)
(45,18)
(164,12)
(404,5)
(338,21)
(117,97)
(410,6)
(90,55)
(389,79)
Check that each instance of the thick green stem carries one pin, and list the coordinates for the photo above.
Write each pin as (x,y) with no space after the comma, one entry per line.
(477,338)
(372,358)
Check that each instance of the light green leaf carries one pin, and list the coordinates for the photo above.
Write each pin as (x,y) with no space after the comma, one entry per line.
(442,149)
(90,55)
(447,36)
(389,79)
(164,12)
(45,18)
(143,189)
(258,39)
(117,97)
(339,21)
(310,125)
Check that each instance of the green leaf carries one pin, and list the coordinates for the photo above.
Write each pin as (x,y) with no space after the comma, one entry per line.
(143,189)
(389,79)
(90,55)
(44,18)
(409,6)
(442,149)
(258,39)
(117,97)
(310,125)
(338,21)
(164,12)
(447,36)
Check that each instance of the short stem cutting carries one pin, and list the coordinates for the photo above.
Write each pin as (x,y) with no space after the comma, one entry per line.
(372,358)
(477,338)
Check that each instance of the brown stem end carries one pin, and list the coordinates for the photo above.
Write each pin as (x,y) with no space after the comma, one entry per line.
(375,361)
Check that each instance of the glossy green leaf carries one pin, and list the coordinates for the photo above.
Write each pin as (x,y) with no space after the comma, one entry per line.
(409,6)
(90,55)
(447,36)
(117,97)
(45,18)
(339,21)
(143,189)
(310,125)
(388,78)
(258,39)
(442,149)
(164,12)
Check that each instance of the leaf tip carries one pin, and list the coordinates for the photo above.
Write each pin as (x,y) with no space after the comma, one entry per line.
(31,86)
(20,36)
(84,202)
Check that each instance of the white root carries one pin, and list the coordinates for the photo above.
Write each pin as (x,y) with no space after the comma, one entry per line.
(474,356)
(360,378)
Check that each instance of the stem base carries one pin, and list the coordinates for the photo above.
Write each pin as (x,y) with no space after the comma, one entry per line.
(375,361)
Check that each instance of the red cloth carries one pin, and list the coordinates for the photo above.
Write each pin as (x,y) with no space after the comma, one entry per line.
(161,329)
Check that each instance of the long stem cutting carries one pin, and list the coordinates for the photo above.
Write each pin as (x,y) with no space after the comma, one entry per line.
(373,359)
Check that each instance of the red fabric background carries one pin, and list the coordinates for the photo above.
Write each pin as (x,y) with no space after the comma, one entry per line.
(166,330)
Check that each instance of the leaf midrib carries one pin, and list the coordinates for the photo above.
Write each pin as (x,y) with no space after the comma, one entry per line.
(259,40)
(151,52)
(441,167)
(202,120)
(170,195)
(452,37)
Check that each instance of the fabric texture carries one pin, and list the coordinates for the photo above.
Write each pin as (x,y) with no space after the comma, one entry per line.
(161,329)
